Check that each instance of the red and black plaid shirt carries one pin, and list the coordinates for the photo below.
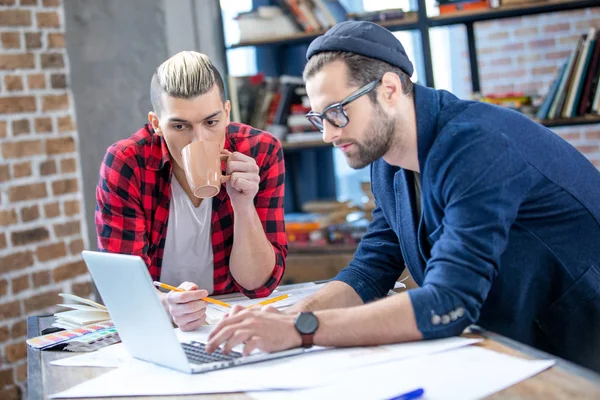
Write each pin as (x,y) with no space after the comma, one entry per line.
(134,193)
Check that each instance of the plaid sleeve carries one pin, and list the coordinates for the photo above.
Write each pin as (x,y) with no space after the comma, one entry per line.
(120,221)
(269,207)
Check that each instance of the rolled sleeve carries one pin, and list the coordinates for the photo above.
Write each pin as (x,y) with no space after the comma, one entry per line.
(377,263)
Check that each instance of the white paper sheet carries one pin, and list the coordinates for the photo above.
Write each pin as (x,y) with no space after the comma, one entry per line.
(306,370)
(322,367)
(138,378)
(111,356)
(466,373)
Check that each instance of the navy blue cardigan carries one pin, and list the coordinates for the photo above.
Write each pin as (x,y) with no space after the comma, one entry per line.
(509,236)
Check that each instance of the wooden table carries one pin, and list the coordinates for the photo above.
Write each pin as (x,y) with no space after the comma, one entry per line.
(315,263)
(564,381)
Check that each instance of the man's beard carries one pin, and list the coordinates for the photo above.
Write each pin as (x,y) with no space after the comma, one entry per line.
(377,141)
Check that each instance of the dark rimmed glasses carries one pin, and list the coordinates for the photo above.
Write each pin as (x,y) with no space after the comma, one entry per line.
(335,113)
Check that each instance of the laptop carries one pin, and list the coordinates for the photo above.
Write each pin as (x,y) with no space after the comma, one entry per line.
(144,325)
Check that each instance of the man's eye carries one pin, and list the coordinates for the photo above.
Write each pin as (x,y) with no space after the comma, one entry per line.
(179,127)
(212,122)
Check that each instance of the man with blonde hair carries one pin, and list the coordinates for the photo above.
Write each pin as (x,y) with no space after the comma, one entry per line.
(234,241)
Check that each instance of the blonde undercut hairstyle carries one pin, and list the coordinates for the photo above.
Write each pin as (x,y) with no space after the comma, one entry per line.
(186,75)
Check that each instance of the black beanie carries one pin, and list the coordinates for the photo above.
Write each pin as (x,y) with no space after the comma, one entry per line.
(364,38)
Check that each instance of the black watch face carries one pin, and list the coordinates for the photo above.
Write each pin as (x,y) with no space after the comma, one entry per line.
(307,323)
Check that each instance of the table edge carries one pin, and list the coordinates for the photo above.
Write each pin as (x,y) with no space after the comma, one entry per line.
(532,352)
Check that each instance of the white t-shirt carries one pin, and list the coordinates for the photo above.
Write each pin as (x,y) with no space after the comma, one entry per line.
(188,252)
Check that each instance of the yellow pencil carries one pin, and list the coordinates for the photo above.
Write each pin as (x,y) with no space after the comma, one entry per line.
(176,289)
(269,301)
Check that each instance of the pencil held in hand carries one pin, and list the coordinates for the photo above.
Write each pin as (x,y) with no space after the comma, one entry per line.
(168,287)
(176,289)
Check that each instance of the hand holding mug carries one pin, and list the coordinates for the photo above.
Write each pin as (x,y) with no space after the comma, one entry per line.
(245,178)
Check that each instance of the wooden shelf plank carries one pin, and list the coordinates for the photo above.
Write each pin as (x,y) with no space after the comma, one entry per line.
(589,119)
(407,23)
(585,120)
(411,20)
(304,145)
(510,11)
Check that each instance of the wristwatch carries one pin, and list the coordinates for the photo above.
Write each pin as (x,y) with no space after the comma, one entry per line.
(306,324)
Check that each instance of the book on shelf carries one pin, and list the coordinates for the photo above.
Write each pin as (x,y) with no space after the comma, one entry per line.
(452,6)
(544,109)
(81,312)
(264,23)
(336,9)
(558,100)
(574,90)
(379,15)
(590,83)
(313,16)
(277,105)
(580,67)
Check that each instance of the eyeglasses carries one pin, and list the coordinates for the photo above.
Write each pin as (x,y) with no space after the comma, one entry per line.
(335,113)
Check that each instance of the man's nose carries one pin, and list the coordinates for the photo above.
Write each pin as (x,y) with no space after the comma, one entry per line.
(200,135)
(331,133)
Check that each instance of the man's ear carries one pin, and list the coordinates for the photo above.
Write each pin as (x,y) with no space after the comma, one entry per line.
(227,105)
(392,87)
(154,122)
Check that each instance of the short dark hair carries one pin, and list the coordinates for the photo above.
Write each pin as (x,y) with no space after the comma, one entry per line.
(361,69)
(186,75)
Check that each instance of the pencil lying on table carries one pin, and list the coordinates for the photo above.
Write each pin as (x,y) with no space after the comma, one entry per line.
(176,289)
(269,301)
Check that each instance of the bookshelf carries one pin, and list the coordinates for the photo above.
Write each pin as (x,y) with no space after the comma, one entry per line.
(585,120)
(281,54)
(411,20)
(511,11)
(313,160)
(420,21)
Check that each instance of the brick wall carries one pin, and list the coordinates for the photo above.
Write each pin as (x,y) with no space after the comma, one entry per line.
(525,53)
(40,182)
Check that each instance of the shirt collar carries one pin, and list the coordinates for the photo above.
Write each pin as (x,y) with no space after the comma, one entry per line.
(427,109)
(159,153)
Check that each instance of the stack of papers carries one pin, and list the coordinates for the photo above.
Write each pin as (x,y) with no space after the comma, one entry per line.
(467,373)
(446,368)
(296,292)
(83,312)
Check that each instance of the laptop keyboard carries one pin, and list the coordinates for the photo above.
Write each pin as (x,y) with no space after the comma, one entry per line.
(196,353)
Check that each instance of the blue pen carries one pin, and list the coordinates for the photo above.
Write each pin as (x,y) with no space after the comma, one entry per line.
(415,394)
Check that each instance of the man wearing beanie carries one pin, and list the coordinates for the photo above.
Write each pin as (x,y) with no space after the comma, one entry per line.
(495,216)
